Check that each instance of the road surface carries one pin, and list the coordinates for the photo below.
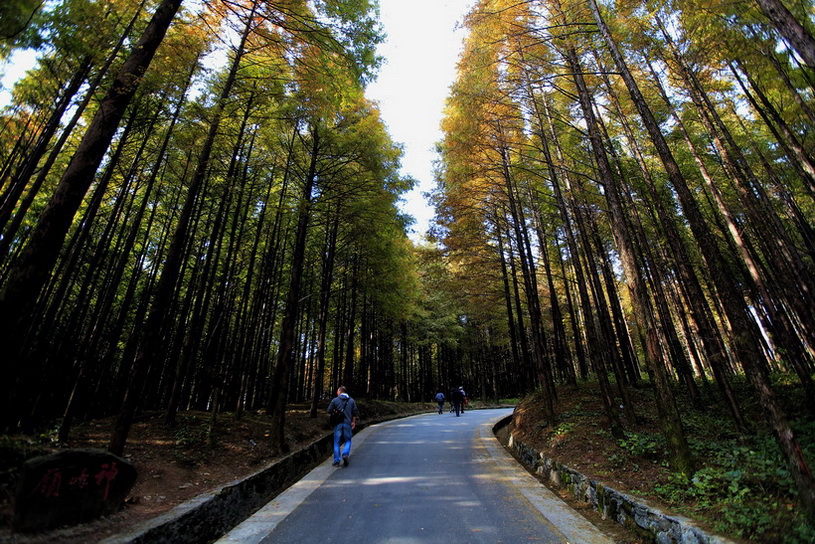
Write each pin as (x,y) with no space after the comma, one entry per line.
(427,478)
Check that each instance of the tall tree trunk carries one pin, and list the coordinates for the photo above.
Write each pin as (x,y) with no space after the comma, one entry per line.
(279,385)
(20,179)
(563,363)
(153,333)
(710,336)
(792,284)
(513,333)
(526,368)
(322,319)
(730,298)
(351,327)
(32,268)
(32,161)
(790,29)
(530,285)
(654,267)
(680,456)
(598,341)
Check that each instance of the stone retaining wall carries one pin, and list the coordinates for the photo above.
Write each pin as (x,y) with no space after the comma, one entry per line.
(210,515)
(636,515)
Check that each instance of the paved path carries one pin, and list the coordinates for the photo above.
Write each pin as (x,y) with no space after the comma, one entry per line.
(428,478)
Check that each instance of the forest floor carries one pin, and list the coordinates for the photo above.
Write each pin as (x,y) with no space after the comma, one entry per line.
(742,489)
(174,463)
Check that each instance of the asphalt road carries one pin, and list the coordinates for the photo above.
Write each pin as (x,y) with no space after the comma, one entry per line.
(428,478)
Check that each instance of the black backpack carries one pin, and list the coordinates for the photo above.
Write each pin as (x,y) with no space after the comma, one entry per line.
(337,415)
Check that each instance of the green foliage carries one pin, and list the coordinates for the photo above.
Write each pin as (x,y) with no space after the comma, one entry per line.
(644,445)
(745,485)
(356,26)
(743,508)
(561,431)
(802,532)
(16,18)
(190,434)
(190,441)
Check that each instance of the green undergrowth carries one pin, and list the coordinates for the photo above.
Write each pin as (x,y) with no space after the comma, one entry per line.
(741,488)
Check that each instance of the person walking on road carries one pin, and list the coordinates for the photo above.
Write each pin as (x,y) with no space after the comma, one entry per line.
(457,398)
(440,400)
(345,428)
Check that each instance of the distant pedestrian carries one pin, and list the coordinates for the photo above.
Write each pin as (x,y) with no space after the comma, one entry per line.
(457,398)
(344,429)
(440,400)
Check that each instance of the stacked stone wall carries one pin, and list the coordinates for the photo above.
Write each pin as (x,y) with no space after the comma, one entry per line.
(636,515)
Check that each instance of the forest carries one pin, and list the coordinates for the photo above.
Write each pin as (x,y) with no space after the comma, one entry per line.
(199,211)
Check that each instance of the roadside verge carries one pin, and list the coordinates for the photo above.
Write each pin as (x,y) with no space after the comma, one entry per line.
(636,515)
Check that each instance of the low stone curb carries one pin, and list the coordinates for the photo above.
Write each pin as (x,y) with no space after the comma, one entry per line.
(635,515)
(209,516)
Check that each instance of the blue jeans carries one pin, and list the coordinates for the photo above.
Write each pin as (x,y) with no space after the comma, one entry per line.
(342,435)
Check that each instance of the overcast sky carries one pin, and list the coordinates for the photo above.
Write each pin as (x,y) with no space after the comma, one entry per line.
(421,52)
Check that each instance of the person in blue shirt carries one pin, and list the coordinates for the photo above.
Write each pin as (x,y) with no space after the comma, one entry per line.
(343,431)
(440,400)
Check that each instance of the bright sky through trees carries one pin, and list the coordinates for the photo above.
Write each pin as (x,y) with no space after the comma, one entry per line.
(424,39)
(13,69)
(423,43)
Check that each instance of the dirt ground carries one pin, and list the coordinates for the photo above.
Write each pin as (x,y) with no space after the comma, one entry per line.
(584,444)
(175,465)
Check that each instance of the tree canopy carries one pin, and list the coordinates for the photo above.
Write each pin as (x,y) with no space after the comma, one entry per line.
(199,210)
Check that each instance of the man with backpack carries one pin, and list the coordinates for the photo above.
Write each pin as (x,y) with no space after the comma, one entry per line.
(457,398)
(440,400)
(343,414)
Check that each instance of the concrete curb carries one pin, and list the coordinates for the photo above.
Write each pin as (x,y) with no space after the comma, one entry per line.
(635,515)
(210,515)
(257,527)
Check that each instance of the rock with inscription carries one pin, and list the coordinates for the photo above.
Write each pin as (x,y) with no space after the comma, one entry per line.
(70,487)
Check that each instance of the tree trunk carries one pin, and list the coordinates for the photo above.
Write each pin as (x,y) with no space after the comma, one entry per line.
(20,179)
(322,319)
(285,355)
(153,332)
(31,270)
(730,297)
(513,333)
(790,29)
(680,456)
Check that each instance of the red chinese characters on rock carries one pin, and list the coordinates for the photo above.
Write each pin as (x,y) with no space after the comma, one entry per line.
(69,487)
(52,481)
(80,480)
(50,484)
(106,474)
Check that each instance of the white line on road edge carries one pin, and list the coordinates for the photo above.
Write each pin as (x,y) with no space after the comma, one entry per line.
(258,526)
(574,527)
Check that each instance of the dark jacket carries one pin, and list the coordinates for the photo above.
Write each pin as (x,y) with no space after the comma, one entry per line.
(351,409)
